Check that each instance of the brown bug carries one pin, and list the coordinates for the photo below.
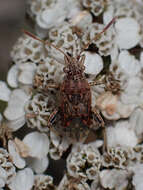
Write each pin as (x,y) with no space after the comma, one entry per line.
(75,93)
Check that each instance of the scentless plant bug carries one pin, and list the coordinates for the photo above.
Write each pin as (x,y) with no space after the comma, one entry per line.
(75,93)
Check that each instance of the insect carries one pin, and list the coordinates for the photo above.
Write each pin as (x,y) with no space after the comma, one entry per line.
(75,93)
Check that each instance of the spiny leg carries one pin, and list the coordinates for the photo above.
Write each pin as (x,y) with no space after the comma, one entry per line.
(98,119)
(52,118)
(93,83)
(53,85)
(110,83)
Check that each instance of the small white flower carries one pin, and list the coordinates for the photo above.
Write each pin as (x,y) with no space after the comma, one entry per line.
(35,7)
(118,157)
(91,173)
(27,48)
(64,37)
(56,13)
(40,107)
(84,161)
(7,169)
(96,7)
(43,182)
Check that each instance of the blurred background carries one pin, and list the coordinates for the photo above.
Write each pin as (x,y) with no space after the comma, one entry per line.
(11,21)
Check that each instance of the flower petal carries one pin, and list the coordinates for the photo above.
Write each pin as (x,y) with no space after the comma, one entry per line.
(24,180)
(16,105)
(38,144)
(93,63)
(121,135)
(38,165)
(17,160)
(127,33)
(4,91)
(12,76)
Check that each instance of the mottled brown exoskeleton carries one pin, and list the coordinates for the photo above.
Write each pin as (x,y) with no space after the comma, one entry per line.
(75,93)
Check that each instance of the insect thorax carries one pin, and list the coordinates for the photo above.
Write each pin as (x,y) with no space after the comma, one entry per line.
(74,69)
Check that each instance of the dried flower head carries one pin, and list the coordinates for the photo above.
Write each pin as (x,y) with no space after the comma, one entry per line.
(38,110)
(63,37)
(26,49)
(118,157)
(71,183)
(96,7)
(84,163)
(105,43)
(7,169)
(43,182)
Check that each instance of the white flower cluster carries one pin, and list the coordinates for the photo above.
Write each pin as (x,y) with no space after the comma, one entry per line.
(113,67)
(63,37)
(112,170)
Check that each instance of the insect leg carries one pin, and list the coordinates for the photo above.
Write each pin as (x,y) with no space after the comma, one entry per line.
(53,85)
(52,118)
(93,83)
(98,119)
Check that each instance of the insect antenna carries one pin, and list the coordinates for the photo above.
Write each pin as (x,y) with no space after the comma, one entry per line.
(45,42)
(99,34)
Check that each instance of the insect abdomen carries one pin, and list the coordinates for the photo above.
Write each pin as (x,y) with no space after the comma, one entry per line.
(76,104)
